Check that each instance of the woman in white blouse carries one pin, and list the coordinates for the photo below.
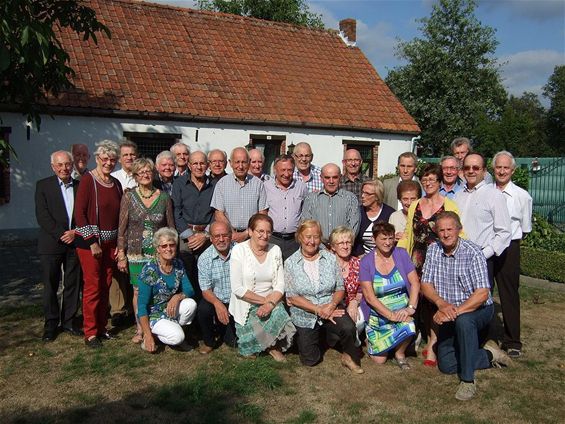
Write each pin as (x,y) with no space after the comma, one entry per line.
(257,282)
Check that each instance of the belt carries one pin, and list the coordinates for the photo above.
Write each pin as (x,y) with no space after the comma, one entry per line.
(197,228)
(284,236)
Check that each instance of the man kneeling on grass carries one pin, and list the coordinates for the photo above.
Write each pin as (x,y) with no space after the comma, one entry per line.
(455,279)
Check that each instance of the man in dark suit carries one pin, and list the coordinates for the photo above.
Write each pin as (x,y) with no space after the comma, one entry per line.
(54,201)
(407,165)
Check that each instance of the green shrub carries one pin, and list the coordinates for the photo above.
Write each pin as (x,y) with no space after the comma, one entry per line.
(544,236)
(544,264)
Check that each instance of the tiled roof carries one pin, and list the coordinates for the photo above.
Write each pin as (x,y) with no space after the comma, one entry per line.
(178,63)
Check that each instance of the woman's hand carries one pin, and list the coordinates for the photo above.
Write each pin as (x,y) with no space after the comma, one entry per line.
(265,309)
(149,342)
(123,264)
(96,250)
(402,315)
(353,310)
(173,305)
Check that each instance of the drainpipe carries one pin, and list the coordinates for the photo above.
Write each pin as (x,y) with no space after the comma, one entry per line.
(414,144)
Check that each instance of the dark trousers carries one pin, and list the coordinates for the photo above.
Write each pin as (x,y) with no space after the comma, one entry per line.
(458,345)
(211,328)
(189,259)
(490,271)
(507,275)
(71,279)
(288,245)
(342,332)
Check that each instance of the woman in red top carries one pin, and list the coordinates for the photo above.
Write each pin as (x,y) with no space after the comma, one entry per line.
(96,213)
(341,243)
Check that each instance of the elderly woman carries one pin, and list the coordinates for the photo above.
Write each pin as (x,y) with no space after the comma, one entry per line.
(390,287)
(96,213)
(315,292)
(143,211)
(372,210)
(164,305)
(407,193)
(419,234)
(341,243)
(257,283)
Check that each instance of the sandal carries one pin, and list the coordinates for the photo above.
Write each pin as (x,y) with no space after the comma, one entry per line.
(430,363)
(403,364)
(137,338)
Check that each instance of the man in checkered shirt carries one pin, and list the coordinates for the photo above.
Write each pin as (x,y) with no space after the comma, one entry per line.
(455,279)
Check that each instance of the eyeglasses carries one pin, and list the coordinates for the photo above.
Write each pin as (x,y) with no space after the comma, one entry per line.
(220,236)
(263,232)
(429,180)
(217,162)
(146,172)
(473,167)
(353,160)
(107,160)
(343,243)
(198,164)
(449,168)
(366,193)
(171,245)
(303,157)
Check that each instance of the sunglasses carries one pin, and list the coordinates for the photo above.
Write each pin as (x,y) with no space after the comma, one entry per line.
(473,167)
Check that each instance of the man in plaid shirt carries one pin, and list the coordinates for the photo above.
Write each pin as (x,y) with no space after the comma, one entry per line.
(455,279)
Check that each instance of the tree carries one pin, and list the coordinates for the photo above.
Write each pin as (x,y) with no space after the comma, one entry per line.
(33,63)
(291,11)
(554,90)
(451,78)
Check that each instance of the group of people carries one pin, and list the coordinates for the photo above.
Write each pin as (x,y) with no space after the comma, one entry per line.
(318,257)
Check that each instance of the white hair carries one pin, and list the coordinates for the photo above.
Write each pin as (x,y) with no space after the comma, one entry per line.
(107,147)
(504,153)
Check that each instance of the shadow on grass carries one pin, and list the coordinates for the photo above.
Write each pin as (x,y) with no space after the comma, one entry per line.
(208,396)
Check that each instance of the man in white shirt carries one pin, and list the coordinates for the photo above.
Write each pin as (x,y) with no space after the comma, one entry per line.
(128,154)
(81,156)
(460,148)
(506,266)
(483,211)
(182,156)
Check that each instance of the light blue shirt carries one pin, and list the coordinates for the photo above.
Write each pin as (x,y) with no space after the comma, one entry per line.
(69,198)
(214,273)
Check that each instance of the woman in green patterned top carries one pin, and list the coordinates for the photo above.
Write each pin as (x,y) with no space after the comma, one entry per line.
(143,211)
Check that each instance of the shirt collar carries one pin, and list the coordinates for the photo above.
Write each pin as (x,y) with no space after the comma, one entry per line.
(478,186)
(67,185)
(216,254)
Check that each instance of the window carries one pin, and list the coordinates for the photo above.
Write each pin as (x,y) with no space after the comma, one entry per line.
(369,153)
(271,146)
(5,165)
(149,145)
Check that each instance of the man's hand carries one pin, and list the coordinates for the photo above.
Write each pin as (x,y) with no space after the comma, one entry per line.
(68,236)
(398,235)
(196,241)
(239,237)
(222,313)
(440,318)
(96,250)
(449,310)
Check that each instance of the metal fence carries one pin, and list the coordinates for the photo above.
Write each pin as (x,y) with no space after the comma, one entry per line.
(547,188)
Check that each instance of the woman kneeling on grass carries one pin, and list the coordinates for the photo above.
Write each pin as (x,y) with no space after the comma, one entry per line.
(390,288)
(164,303)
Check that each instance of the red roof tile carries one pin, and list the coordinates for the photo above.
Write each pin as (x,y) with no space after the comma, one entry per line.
(212,66)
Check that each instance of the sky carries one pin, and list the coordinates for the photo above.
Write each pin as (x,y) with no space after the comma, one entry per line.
(531,33)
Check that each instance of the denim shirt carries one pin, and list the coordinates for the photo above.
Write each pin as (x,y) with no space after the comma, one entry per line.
(297,283)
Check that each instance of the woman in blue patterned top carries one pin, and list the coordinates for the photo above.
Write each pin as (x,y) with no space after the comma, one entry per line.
(315,292)
(164,303)
(390,291)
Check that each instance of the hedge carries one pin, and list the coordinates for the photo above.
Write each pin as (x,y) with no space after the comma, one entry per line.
(544,264)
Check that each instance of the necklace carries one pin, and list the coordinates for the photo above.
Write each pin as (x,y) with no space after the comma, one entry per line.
(101,177)
(146,196)
(343,265)
(165,271)
(260,253)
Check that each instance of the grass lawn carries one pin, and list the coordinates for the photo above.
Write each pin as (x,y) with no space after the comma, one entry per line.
(63,382)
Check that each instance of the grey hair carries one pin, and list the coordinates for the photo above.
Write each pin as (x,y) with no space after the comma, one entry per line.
(449,157)
(165,233)
(504,153)
(223,152)
(141,163)
(128,143)
(408,155)
(178,144)
(52,157)
(107,147)
(259,151)
(459,141)
(165,154)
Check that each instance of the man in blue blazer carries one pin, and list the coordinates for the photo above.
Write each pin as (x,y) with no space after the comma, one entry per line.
(54,202)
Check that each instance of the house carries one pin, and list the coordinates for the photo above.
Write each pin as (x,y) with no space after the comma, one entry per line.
(210,80)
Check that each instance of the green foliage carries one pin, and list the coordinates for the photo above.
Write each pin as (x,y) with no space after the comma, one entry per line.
(555,91)
(540,263)
(521,177)
(544,236)
(451,77)
(33,63)
(290,11)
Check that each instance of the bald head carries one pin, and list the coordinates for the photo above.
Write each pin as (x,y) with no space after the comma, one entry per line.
(330,177)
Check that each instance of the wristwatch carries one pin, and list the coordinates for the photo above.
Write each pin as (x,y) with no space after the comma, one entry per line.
(411,307)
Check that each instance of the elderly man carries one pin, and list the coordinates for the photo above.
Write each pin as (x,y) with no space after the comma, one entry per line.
(451,183)
(307,172)
(217,161)
(455,279)
(54,203)
(333,206)
(352,180)
(483,211)
(460,148)
(407,163)
(165,166)
(182,154)
(256,162)
(128,154)
(239,196)
(285,196)
(81,156)
(506,266)
(192,194)
(214,279)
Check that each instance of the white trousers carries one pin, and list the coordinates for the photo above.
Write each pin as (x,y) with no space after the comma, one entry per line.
(171,332)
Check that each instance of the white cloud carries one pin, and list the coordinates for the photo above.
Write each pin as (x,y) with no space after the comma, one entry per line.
(536,10)
(529,70)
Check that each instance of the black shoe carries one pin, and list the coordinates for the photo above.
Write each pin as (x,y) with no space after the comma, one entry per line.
(49,336)
(93,343)
(106,336)
(183,347)
(71,331)
(118,320)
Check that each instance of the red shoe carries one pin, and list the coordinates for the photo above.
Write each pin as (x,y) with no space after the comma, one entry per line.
(430,363)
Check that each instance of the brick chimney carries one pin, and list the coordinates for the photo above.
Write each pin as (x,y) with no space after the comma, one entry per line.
(349,29)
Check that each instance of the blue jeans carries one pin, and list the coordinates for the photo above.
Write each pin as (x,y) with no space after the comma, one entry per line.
(458,344)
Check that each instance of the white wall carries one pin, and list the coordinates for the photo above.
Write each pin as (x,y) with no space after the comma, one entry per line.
(62,131)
